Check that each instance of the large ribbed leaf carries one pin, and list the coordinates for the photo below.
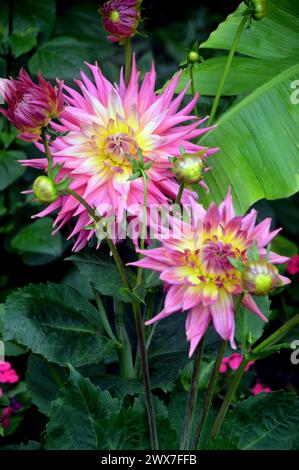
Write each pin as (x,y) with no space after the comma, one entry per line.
(265,49)
(258,138)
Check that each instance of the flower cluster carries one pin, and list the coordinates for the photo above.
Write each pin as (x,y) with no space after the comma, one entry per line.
(107,125)
(197,271)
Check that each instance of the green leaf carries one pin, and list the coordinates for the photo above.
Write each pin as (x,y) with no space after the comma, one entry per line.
(30,445)
(252,160)
(10,169)
(264,422)
(62,57)
(84,417)
(270,38)
(168,351)
(242,77)
(102,272)
(249,326)
(11,349)
(36,238)
(23,41)
(283,246)
(57,322)
(40,382)
(204,374)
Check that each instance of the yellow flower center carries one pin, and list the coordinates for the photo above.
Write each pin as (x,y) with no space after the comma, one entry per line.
(114,16)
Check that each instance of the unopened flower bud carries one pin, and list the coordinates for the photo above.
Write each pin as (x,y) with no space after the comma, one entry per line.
(258,8)
(260,277)
(193,57)
(188,168)
(44,189)
(120,19)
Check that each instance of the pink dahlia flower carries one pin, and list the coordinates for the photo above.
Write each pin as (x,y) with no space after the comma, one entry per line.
(233,362)
(259,388)
(198,274)
(7,373)
(120,18)
(293,266)
(30,106)
(108,123)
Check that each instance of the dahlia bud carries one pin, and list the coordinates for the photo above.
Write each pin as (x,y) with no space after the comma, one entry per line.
(260,277)
(44,189)
(189,168)
(258,8)
(120,19)
(193,57)
(30,106)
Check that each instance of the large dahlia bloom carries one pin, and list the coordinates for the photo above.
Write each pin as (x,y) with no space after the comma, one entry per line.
(108,123)
(30,106)
(120,18)
(198,274)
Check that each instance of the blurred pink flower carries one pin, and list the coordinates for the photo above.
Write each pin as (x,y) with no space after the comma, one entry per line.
(233,362)
(6,412)
(197,272)
(7,374)
(30,106)
(259,388)
(108,123)
(293,266)
(120,18)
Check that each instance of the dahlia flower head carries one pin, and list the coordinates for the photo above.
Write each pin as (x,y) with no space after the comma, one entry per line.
(120,19)
(30,106)
(197,273)
(106,124)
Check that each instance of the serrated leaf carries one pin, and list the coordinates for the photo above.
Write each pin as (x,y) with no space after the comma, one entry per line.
(268,421)
(23,41)
(57,322)
(102,272)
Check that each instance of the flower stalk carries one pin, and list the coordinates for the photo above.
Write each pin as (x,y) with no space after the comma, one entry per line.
(192,398)
(226,69)
(128,60)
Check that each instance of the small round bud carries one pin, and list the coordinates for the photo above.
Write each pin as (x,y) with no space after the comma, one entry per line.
(44,189)
(260,277)
(258,9)
(193,57)
(189,168)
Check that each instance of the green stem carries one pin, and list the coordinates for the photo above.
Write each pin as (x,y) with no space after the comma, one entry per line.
(146,377)
(180,193)
(277,335)
(192,87)
(47,150)
(226,69)
(209,394)
(128,60)
(89,209)
(227,399)
(125,350)
(192,398)
(144,226)
(119,264)
(103,317)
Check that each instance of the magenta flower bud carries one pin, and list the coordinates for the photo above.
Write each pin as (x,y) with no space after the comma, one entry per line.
(44,189)
(120,18)
(260,277)
(30,106)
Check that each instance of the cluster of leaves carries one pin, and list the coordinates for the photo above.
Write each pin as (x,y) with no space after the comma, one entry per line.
(72,373)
